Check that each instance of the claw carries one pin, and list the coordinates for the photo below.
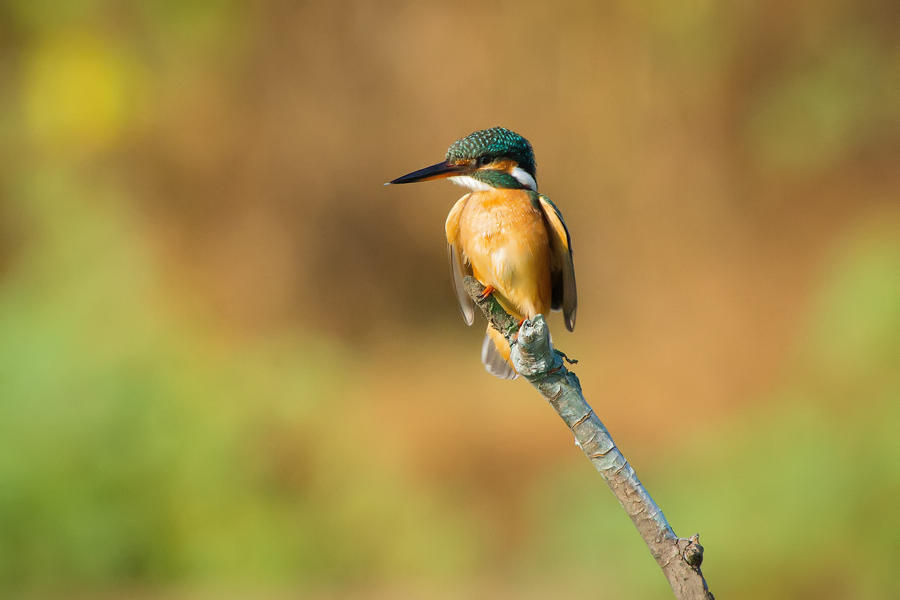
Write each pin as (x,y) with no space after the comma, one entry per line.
(488,290)
(514,332)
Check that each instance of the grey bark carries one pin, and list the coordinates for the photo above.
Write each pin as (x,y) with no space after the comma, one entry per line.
(536,360)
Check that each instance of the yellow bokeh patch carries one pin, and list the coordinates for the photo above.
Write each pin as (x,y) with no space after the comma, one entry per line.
(78,93)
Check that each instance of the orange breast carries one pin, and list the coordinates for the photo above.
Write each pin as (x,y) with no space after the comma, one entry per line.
(504,237)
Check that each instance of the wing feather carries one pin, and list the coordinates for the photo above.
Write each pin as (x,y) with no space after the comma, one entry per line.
(565,294)
(457,270)
(458,262)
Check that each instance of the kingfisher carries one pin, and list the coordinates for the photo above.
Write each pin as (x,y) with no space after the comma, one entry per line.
(505,233)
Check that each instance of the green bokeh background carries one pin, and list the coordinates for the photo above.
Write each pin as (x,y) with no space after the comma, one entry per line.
(230,366)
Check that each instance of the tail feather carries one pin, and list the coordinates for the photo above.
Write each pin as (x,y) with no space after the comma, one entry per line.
(493,357)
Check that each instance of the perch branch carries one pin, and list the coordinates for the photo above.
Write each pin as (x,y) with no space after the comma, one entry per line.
(536,360)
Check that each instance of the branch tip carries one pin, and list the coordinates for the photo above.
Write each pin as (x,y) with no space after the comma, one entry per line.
(693,551)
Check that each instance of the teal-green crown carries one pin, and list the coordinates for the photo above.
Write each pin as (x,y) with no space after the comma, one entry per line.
(494,143)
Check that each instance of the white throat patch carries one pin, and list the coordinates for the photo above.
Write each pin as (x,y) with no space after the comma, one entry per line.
(521,175)
(471,183)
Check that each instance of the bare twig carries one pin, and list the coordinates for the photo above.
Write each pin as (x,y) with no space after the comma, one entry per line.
(536,360)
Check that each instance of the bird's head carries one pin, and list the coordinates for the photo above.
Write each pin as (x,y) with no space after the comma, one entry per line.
(485,159)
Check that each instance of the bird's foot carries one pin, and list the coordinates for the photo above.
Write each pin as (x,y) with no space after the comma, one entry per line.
(488,290)
(514,331)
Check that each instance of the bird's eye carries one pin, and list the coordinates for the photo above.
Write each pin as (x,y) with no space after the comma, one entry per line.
(484,160)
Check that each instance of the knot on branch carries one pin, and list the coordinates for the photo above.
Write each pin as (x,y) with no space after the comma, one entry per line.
(692,550)
(533,354)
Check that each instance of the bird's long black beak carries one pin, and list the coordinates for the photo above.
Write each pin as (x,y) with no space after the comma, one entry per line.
(438,171)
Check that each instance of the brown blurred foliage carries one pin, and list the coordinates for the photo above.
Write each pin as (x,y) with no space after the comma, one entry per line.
(706,156)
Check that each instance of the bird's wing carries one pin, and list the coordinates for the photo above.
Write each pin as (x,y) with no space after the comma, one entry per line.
(562,271)
(458,261)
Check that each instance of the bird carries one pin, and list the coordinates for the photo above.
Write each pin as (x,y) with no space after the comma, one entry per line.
(505,233)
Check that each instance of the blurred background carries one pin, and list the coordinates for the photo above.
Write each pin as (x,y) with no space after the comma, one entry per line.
(231,364)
